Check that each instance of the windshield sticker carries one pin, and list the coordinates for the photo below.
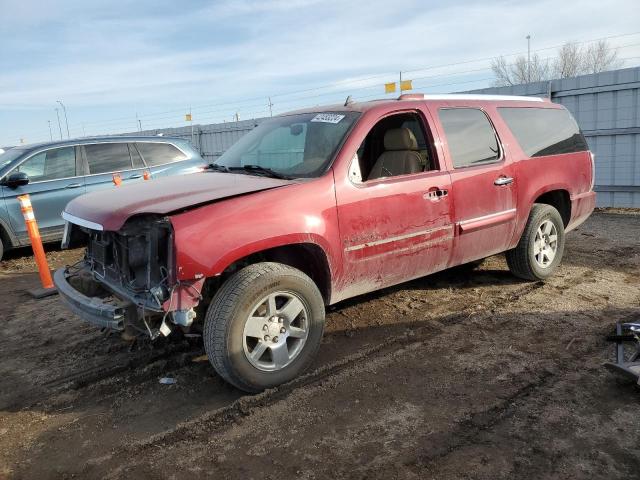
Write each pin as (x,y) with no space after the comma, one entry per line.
(327,118)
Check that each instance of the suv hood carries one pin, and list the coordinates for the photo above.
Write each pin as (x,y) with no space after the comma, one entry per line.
(111,208)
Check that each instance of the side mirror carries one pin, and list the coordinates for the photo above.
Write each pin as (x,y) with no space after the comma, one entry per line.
(15,180)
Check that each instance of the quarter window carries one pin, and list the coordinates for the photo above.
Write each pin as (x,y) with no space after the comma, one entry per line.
(544,131)
(50,165)
(160,153)
(108,157)
(470,136)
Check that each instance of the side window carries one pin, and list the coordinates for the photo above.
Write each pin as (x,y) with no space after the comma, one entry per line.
(135,157)
(159,153)
(396,145)
(470,136)
(544,131)
(108,157)
(50,165)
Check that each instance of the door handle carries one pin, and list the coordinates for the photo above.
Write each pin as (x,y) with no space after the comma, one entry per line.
(134,176)
(501,181)
(435,194)
(74,185)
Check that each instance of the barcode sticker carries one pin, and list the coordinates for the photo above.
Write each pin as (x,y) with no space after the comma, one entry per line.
(327,118)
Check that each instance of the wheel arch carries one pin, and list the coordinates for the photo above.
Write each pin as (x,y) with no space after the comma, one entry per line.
(307,256)
(560,199)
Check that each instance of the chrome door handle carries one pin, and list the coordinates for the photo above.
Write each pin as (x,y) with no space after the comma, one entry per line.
(500,181)
(74,185)
(133,177)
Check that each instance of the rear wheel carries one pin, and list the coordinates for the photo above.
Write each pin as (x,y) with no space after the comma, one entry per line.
(540,250)
(264,326)
(1,248)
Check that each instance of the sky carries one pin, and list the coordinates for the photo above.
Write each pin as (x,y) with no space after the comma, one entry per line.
(112,63)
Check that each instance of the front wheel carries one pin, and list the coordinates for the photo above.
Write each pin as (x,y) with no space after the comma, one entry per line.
(540,250)
(264,326)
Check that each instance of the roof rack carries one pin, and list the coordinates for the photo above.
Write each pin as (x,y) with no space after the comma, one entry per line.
(468,96)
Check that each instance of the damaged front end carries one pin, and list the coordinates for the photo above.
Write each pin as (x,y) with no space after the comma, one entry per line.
(127,279)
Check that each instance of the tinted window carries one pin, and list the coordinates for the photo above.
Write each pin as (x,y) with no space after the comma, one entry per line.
(108,157)
(135,157)
(159,153)
(470,136)
(544,131)
(50,165)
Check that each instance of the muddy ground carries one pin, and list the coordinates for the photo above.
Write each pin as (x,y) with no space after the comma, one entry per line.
(457,375)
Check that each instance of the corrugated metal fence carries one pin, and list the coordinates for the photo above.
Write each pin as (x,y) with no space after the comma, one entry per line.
(606,106)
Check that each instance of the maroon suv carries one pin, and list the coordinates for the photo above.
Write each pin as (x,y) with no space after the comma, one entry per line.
(320,205)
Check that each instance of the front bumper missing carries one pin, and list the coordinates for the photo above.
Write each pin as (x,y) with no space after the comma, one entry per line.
(95,310)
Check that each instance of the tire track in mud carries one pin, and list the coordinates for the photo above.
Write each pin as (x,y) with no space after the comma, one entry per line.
(418,336)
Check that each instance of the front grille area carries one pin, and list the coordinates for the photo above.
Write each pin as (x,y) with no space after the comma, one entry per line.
(137,258)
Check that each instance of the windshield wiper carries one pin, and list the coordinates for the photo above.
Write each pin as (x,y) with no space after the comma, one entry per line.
(217,168)
(262,171)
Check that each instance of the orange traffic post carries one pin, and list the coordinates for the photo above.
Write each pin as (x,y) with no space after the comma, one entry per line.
(38,250)
(117,179)
(146,175)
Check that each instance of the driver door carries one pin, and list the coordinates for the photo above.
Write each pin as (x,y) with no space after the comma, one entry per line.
(55,178)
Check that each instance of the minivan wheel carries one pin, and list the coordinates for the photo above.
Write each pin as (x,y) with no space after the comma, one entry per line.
(541,246)
(264,326)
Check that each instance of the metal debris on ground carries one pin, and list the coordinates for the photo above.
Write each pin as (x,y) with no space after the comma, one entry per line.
(168,381)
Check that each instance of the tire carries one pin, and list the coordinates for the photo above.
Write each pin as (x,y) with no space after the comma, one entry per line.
(242,309)
(526,260)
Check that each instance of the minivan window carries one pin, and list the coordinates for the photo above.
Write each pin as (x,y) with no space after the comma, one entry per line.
(159,153)
(470,136)
(108,157)
(544,131)
(50,165)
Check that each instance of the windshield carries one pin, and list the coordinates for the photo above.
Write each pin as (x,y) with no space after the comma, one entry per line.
(300,145)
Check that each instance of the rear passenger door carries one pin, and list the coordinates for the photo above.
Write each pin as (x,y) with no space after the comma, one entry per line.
(483,182)
(164,159)
(102,160)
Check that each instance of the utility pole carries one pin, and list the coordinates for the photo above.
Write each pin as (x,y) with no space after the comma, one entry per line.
(270,106)
(528,58)
(191,121)
(138,123)
(59,125)
(64,109)
(50,132)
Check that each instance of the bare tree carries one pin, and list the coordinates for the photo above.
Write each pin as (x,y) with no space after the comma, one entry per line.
(600,57)
(520,71)
(571,60)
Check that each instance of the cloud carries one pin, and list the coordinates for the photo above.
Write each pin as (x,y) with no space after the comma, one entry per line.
(107,59)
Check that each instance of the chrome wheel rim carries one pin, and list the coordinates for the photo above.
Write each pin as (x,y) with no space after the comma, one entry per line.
(275,331)
(545,244)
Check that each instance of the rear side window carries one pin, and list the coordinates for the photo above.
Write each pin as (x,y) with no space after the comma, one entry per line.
(470,136)
(159,153)
(50,165)
(544,131)
(108,157)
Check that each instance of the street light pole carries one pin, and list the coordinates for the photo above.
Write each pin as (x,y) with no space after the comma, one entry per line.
(59,125)
(50,132)
(528,58)
(65,116)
